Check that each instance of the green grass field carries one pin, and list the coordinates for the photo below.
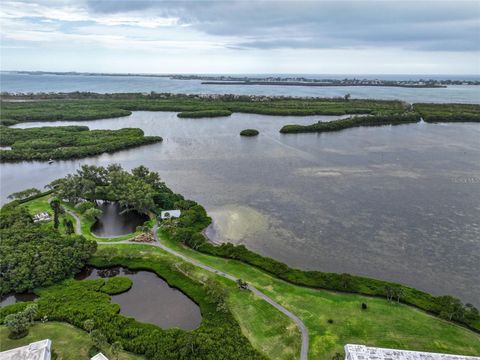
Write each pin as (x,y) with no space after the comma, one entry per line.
(382,324)
(68,342)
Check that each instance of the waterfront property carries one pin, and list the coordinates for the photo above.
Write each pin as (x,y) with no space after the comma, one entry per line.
(362,352)
(39,350)
(169,214)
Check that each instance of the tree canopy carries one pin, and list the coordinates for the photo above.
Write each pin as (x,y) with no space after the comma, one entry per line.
(35,255)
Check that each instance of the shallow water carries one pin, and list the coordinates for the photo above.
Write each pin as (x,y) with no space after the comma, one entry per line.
(399,203)
(150,299)
(112,223)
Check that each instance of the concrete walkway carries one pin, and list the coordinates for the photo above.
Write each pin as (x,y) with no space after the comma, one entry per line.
(157,243)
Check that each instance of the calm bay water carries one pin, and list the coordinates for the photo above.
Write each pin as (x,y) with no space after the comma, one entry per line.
(398,203)
(15,82)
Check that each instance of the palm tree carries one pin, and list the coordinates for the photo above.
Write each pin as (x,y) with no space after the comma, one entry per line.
(55,205)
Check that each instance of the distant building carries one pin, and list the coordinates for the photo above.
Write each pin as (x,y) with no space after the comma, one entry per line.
(44,216)
(168,214)
(361,352)
(99,356)
(39,350)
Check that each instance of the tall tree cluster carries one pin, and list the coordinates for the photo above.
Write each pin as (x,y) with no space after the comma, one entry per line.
(33,255)
(134,190)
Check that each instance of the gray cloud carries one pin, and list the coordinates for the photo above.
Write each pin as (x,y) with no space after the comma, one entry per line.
(419,25)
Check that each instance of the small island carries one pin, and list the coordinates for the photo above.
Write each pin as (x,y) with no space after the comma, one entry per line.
(66,142)
(249,132)
(204,114)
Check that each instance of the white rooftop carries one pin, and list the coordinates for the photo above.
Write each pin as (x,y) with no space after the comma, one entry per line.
(39,350)
(99,356)
(361,352)
(167,214)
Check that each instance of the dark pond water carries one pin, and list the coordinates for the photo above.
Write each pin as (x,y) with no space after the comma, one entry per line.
(14,298)
(150,299)
(398,203)
(113,223)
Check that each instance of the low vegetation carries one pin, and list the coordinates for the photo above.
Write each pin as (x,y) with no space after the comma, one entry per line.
(67,142)
(204,114)
(87,106)
(116,285)
(356,121)
(448,112)
(35,255)
(249,132)
(85,305)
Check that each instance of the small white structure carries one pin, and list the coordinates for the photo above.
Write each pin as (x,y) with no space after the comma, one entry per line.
(44,216)
(169,214)
(99,356)
(362,352)
(39,350)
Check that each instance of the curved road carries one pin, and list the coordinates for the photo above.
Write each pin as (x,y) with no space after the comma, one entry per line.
(157,243)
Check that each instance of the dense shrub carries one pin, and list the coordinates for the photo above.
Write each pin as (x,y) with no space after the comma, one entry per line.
(204,114)
(66,142)
(83,206)
(336,125)
(249,132)
(218,337)
(116,285)
(448,112)
(33,255)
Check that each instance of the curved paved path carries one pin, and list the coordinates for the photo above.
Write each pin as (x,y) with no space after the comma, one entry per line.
(157,243)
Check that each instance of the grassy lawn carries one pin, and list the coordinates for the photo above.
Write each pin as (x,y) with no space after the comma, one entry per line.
(68,342)
(268,330)
(382,324)
(42,205)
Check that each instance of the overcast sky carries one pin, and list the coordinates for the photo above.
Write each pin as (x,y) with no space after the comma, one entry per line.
(310,37)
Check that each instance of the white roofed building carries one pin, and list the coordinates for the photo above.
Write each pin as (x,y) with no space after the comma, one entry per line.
(99,356)
(168,214)
(362,352)
(39,350)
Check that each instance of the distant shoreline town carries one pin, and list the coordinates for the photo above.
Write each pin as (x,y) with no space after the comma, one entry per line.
(277,80)
(302,81)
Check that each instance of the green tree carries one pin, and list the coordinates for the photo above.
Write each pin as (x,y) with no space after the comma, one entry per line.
(24,194)
(55,205)
(93,214)
(69,228)
(18,324)
(31,312)
(450,307)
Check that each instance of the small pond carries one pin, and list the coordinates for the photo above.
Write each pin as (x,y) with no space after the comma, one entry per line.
(112,223)
(150,299)
(14,298)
